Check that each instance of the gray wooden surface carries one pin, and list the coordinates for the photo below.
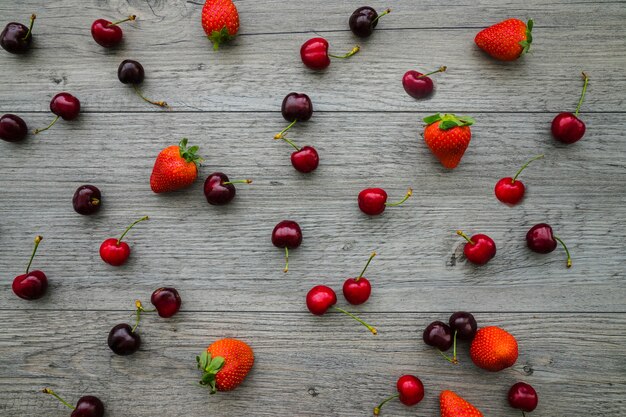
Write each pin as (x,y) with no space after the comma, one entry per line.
(570,324)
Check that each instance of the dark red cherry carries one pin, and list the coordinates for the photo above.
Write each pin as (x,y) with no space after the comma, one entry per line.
(363,21)
(64,106)
(523,397)
(438,334)
(567,127)
(17,38)
(419,85)
(130,72)
(297,107)
(87,200)
(287,234)
(540,238)
(31,285)
(108,34)
(464,324)
(166,300)
(123,340)
(219,190)
(12,128)
(87,406)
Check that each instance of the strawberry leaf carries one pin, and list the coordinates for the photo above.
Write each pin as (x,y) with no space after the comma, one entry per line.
(525,44)
(216,364)
(449,121)
(203,360)
(189,154)
(433,118)
(448,124)
(217,37)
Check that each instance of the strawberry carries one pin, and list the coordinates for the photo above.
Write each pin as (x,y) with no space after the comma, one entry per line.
(493,349)
(175,168)
(507,40)
(220,21)
(448,136)
(225,364)
(452,405)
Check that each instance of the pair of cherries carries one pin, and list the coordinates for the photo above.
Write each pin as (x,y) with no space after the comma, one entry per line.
(461,325)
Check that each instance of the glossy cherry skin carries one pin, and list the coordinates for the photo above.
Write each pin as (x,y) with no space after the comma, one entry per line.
(363,21)
(287,234)
(438,334)
(14,40)
(372,201)
(509,191)
(123,341)
(481,251)
(105,35)
(65,106)
(130,72)
(357,292)
(87,200)
(464,324)
(297,106)
(540,238)
(113,253)
(320,298)
(411,390)
(12,128)
(88,406)
(30,286)
(314,53)
(216,192)
(166,300)
(567,128)
(523,397)
(416,86)
(305,160)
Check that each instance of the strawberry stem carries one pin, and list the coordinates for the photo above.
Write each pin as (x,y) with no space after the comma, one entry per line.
(348,55)
(582,95)
(30,27)
(370,328)
(380,15)
(460,233)
(130,227)
(287,140)
(366,265)
(37,240)
(524,167)
(131,18)
(156,103)
(55,395)
(237,182)
(47,127)
(569,258)
(383,402)
(441,69)
(408,194)
(282,132)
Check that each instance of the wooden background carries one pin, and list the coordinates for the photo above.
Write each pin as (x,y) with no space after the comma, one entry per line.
(570,324)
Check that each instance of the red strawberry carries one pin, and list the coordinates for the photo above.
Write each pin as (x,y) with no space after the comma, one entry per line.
(493,349)
(448,137)
(225,364)
(506,40)
(220,21)
(452,405)
(175,168)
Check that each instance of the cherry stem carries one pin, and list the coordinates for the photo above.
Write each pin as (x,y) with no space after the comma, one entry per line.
(138,312)
(95,201)
(47,127)
(366,265)
(441,69)
(30,27)
(37,240)
(130,227)
(383,402)
(286,260)
(524,167)
(55,395)
(460,233)
(406,197)
(349,54)
(131,18)
(523,414)
(282,132)
(370,328)
(380,15)
(582,95)
(569,258)
(287,140)
(452,360)
(156,103)
(237,182)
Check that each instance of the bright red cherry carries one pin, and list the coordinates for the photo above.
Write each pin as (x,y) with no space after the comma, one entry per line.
(287,234)
(314,53)
(87,406)
(479,248)
(31,285)
(296,107)
(373,201)
(17,38)
(219,190)
(567,127)
(320,298)
(357,290)
(523,397)
(115,252)
(64,106)
(419,85)
(303,159)
(511,190)
(410,392)
(108,34)
(540,238)
(12,128)
(166,300)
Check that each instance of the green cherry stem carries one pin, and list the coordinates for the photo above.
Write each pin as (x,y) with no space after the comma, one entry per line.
(406,197)
(370,328)
(582,95)
(47,127)
(55,395)
(139,310)
(441,69)
(381,15)
(130,227)
(366,265)
(282,132)
(452,360)
(569,258)
(524,167)
(523,414)
(156,103)
(37,240)
(348,55)
(30,27)
(383,402)
(237,182)
(277,137)
(286,260)
(131,18)
(460,233)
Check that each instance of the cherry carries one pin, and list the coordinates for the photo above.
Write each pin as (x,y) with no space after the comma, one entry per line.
(363,21)
(439,335)
(419,85)
(12,128)
(511,190)
(87,406)
(357,290)
(373,201)
(320,298)
(567,127)
(523,397)
(410,392)
(123,340)
(314,53)
(132,72)
(31,285)
(540,238)
(303,159)
(108,34)
(87,200)
(17,38)
(296,107)
(287,234)
(63,105)
(114,251)
(464,325)
(166,300)
(219,190)
(479,249)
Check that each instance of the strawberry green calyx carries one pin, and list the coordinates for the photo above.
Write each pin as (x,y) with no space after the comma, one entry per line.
(189,154)
(529,37)
(209,367)
(448,121)
(217,37)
